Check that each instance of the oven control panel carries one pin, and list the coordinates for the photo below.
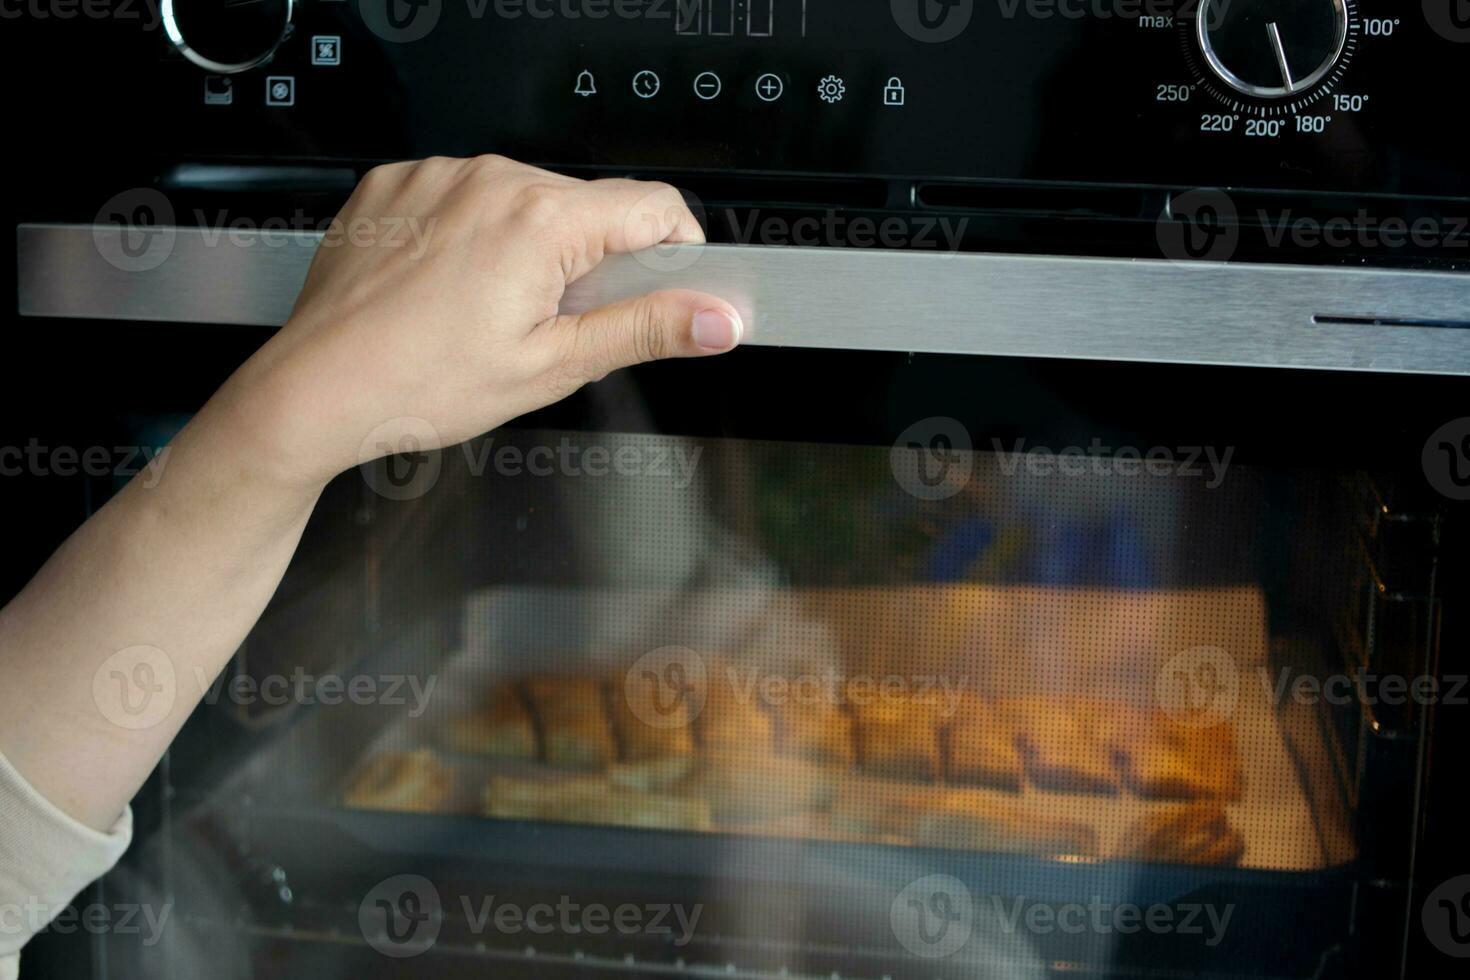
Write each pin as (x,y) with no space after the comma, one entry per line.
(1350,96)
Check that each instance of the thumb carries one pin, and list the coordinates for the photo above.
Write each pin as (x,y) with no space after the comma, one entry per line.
(668,323)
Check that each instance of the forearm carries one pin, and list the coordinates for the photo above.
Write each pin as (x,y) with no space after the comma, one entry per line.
(182,560)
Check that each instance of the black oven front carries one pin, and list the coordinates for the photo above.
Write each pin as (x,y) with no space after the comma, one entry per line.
(1062,580)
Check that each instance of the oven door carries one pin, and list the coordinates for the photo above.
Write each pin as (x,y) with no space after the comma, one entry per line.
(986,616)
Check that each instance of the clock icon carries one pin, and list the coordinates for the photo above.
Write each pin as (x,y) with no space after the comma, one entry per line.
(645,84)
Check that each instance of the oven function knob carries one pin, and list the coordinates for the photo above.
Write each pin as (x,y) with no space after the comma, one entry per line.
(1272,49)
(226,36)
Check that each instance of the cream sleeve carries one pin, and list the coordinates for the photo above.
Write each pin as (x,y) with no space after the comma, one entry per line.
(46,858)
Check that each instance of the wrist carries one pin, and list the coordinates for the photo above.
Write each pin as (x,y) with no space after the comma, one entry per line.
(268,439)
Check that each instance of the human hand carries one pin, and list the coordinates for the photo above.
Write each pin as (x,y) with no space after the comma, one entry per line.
(445,333)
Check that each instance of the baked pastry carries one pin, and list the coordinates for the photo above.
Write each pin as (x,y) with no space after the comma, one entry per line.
(819,732)
(981,747)
(647,728)
(1188,833)
(897,737)
(731,721)
(593,800)
(957,819)
(409,782)
(572,718)
(959,825)
(1057,751)
(742,788)
(1160,759)
(500,727)
(1211,754)
(651,775)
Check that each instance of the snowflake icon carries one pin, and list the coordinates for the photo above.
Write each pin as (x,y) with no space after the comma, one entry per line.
(831,89)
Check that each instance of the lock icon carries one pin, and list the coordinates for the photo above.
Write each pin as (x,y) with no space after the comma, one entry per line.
(893,92)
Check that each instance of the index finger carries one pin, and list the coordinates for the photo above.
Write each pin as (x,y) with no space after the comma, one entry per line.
(618,215)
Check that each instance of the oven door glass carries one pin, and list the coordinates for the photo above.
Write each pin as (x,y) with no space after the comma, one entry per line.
(800,663)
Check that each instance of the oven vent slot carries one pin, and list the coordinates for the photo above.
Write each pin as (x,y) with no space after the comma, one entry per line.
(1041,200)
(1351,320)
(713,189)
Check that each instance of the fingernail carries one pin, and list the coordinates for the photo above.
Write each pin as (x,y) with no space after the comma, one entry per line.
(716,330)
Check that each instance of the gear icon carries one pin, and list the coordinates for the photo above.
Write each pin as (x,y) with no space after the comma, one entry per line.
(831,89)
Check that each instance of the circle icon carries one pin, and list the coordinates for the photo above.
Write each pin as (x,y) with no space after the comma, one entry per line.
(933,916)
(135,688)
(1446,915)
(400,459)
(134,231)
(401,21)
(1199,688)
(1198,225)
(224,37)
(666,688)
(646,84)
(932,21)
(769,87)
(1271,48)
(1446,459)
(654,211)
(933,458)
(401,916)
(1447,20)
(707,85)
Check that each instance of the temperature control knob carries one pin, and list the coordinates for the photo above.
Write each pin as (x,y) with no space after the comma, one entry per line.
(1272,49)
(226,35)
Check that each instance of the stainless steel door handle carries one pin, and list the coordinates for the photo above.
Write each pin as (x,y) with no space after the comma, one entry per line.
(1017,305)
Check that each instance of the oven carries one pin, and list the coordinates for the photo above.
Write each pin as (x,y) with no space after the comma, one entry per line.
(1065,578)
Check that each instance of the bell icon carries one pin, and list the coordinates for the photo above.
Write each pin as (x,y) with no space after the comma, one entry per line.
(585,84)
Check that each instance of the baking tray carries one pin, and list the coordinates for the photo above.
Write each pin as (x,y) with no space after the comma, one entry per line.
(1295,905)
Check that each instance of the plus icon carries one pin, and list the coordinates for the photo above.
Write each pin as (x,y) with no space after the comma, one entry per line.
(768,87)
